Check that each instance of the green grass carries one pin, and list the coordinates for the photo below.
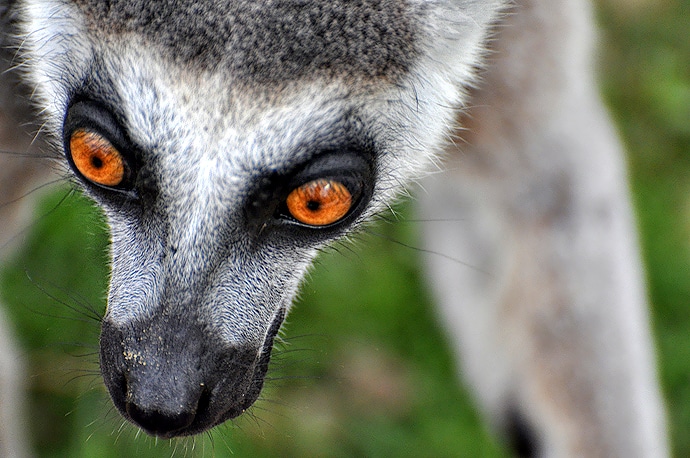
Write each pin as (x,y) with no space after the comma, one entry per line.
(365,370)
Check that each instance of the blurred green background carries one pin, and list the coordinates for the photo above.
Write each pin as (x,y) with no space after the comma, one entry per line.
(364,369)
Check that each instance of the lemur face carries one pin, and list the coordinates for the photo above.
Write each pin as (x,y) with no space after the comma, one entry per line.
(226,143)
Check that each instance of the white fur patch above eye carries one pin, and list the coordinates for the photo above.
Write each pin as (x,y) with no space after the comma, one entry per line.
(55,52)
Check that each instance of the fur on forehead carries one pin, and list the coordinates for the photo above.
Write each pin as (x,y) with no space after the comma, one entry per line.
(268,41)
(153,96)
(260,43)
(439,43)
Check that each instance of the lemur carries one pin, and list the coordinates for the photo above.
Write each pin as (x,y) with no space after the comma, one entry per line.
(228,141)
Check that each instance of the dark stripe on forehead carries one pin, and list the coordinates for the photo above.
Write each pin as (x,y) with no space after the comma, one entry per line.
(269,41)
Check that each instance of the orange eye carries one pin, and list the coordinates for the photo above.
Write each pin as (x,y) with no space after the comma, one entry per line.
(96,158)
(319,202)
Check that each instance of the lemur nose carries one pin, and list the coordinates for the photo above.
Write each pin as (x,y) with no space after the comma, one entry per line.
(169,395)
(173,377)
(159,422)
(164,401)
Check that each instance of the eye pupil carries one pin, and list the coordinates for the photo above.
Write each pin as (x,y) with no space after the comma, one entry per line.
(320,202)
(96,159)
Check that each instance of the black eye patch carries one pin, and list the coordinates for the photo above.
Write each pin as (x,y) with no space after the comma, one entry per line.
(97,149)
(323,194)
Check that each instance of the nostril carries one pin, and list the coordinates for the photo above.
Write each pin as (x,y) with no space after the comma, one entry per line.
(158,422)
(204,403)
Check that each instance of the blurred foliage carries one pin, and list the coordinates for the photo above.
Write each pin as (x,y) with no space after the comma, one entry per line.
(363,368)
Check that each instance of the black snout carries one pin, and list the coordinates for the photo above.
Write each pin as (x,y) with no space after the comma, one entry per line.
(173,376)
(161,422)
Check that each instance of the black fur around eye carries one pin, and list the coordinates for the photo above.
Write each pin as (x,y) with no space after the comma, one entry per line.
(328,191)
(95,147)
(325,194)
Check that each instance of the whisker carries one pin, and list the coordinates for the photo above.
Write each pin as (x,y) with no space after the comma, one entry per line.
(431,252)
(88,318)
(83,307)
(36,189)
(30,155)
(42,217)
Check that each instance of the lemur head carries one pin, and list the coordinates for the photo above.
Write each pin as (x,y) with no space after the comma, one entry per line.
(227,141)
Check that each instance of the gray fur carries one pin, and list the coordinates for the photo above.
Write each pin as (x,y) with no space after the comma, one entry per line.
(270,41)
(222,107)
